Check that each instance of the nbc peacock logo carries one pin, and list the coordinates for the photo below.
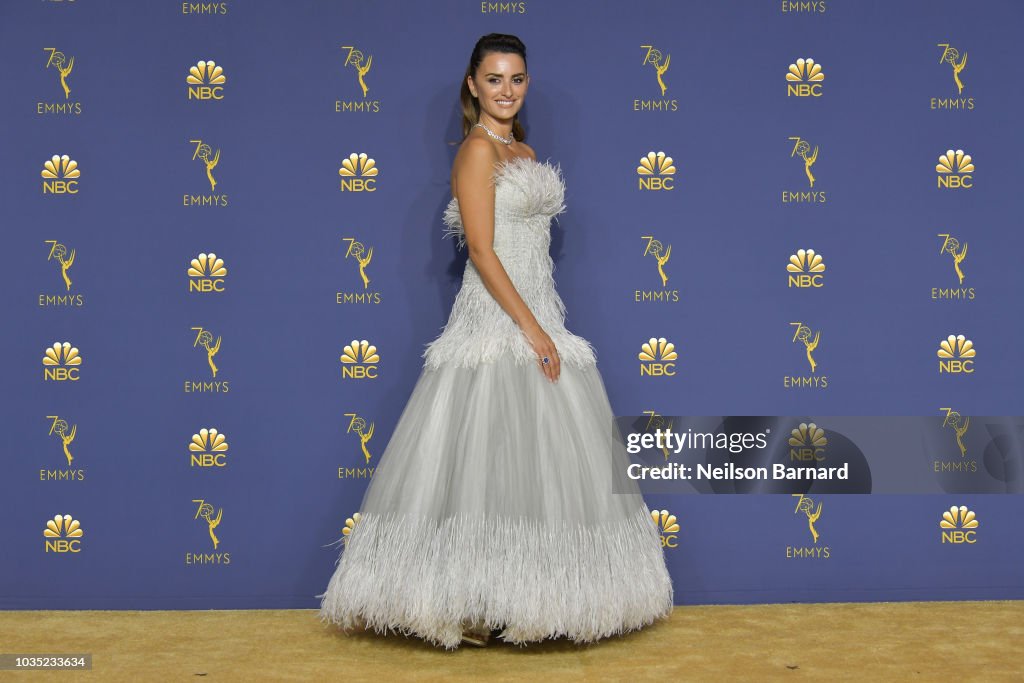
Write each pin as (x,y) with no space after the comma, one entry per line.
(805,269)
(955,169)
(206,274)
(803,78)
(61,363)
(956,355)
(959,525)
(63,534)
(60,175)
(359,360)
(668,528)
(206,81)
(350,525)
(658,358)
(358,173)
(363,431)
(807,443)
(208,448)
(656,172)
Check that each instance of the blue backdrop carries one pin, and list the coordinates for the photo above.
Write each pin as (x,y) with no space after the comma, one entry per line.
(291,109)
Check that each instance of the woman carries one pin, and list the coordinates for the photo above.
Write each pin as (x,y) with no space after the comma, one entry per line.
(492,508)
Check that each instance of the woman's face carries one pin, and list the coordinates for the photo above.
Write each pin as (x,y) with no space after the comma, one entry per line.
(500,84)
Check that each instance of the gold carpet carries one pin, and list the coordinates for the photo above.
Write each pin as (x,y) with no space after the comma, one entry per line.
(922,641)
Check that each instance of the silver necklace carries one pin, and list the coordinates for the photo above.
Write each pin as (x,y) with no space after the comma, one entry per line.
(509,141)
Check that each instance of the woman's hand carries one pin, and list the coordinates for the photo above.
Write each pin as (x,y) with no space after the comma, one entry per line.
(544,347)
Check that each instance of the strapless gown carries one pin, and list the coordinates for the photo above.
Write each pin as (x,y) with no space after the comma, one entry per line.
(492,502)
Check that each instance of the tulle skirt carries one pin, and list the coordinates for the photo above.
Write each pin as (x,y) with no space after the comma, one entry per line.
(492,504)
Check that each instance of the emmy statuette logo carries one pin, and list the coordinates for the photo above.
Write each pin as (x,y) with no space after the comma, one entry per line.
(358,64)
(205,341)
(211,516)
(63,257)
(66,433)
(953,63)
(656,421)
(61,66)
(360,256)
(658,63)
(358,428)
(812,512)
(957,254)
(208,158)
(659,255)
(802,150)
(810,340)
(956,460)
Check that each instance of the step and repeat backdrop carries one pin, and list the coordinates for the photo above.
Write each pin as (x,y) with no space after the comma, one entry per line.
(225,255)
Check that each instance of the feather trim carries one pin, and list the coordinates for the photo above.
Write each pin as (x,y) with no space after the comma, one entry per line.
(534,579)
(540,184)
(528,194)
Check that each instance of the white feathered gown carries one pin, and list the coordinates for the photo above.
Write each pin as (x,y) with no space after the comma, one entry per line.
(493,499)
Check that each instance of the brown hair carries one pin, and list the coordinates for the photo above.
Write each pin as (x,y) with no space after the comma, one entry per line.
(492,42)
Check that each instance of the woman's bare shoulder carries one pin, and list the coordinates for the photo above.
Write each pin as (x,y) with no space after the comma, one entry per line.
(475,154)
(533,155)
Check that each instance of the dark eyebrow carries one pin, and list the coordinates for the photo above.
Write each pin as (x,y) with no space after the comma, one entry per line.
(499,75)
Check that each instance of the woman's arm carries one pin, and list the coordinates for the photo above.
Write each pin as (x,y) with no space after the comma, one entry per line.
(476,206)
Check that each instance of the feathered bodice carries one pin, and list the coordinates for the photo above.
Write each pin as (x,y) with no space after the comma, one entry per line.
(527,195)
